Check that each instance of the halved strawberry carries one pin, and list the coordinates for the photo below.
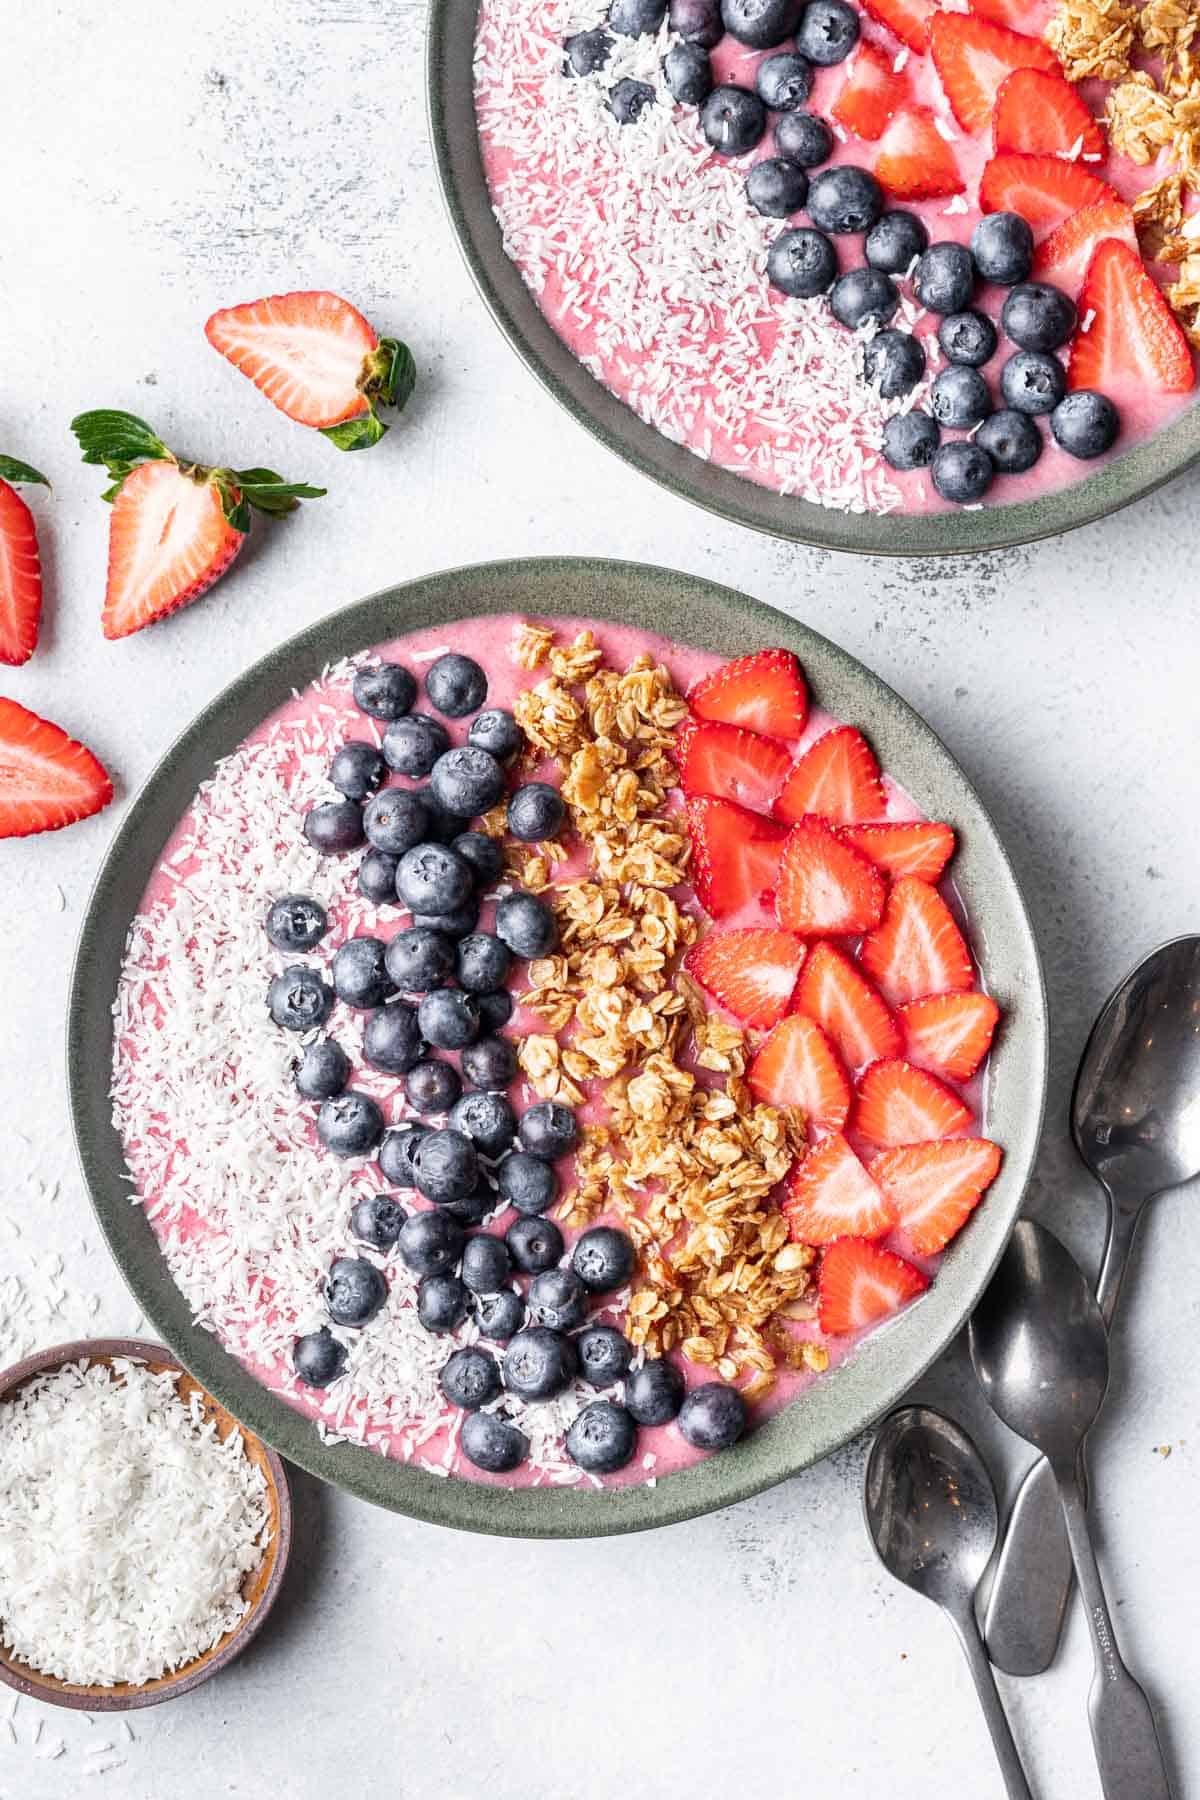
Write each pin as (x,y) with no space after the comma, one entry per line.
(832,991)
(825,886)
(907,20)
(796,1066)
(1132,342)
(318,360)
(731,764)
(918,847)
(761,692)
(47,779)
(901,1104)
(1045,190)
(915,162)
(861,1283)
(1042,114)
(917,948)
(836,777)
(973,57)
(1062,259)
(752,972)
(872,91)
(830,1195)
(735,856)
(950,1033)
(936,1187)
(20,565)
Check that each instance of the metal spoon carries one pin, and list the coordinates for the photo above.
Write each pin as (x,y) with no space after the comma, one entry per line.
(1040,1350)
(1135,1118)
(931,1513)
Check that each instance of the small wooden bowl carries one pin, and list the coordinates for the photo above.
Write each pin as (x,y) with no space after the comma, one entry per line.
(261,1586)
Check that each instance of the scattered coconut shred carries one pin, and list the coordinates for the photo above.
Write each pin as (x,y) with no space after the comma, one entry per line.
(129,1525)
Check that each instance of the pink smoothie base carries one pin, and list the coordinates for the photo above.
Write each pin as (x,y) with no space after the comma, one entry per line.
(661,1451)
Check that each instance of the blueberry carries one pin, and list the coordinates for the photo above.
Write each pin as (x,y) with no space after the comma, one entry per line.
(296,923)
(893,362)
(688,73)
(895,241)
(603,1438)
(432,1086)
(357,770)
(539,1363)
(527,1183)
(318,1358)
(299,999)
(385,690)
(1002,245)
(395,821)
(712,1417)
(430,1243)
(527,925)
(557,1298)
(944,278)
(828,32)
(1012,440)
(467,781)
(449,1018)
(490,1063)
(470,1378)
(733,119)
(398,1151)
(968,337)
(804,139)
(483,853)
(586,52)
(784,81)
(412,745)
(354,1291)
(487,1119)
(549,1129)
(378,1221)
(377,877)
(604,1259)
(350,1124)
(1085,424)
(455,684)
(654,1393)
(434,879)
(760,23)
(801,263)
(629,100)
(1033,382)
(492,1444)
(776,187)
(322,1071)
(862,294)
(456,924)
(697,21)
(445,1166)
(482,962)
(960,397)
(359,971)
(536,811)
(495,1010)
(500,1315)
(419,960)
(442,1302)
(486,1264)
(636,18)
(474,1207)
(443,826)
(604,1354)
(534,1244)
(497,732)
(334,826)
(1038,317)
(844,200)
(910,440)
(962,471)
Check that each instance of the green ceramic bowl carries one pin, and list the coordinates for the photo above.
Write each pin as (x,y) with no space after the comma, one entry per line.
(460,169)
(691,611)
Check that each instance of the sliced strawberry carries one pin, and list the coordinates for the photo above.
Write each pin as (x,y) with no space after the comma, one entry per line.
(917,948)
(1042,114)
(973,57)
(915,162)
(907,20)
(950,1033)
(731,764)
(1045,190)
(846,1007)
(830,1195)
(936,1187)
(20,565)
(751,972)
(46,778)
(796,1066)
(763,692)
(1132,342)
(872,91)
(169,540)
(920,847)
(735,856)
(836,777)
(901,1104)
(1013,13)
(861,1283)
(825,886)
(1062,259)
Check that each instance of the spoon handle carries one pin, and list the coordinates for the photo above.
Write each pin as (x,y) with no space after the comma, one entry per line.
(1015,1783)
(1128,1753)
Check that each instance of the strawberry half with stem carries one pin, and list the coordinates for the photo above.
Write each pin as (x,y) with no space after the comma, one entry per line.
(949,1033)
(825,887)
(735,856)
(319,361)
(901,1104)
(861,1283)
(176,526)
(1133,342)
(836,777)
(731,764)
(973,57)
(20,565)
(936,1187)
(830,1195)
(47,779)
(872,91)
(763,692)
(919,847)
(839,997)
(796,1065)
(1062,258)
(1039,113)
(751,972)
(907,20)
(1045,190)
(917,949)
(915,162)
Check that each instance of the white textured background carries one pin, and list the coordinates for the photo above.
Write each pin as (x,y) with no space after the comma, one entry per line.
(160,161)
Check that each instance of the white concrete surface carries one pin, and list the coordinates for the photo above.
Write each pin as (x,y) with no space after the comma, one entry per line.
(163,160)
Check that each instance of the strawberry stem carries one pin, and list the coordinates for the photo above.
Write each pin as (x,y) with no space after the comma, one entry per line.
(387,378)
(15,472)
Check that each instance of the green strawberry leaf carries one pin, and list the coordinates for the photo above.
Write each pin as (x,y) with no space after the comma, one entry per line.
(356,434)
(119,441)
(14,471)
(396,374)
(269,493)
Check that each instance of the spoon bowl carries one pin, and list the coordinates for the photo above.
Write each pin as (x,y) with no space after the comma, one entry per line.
(930,1506)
